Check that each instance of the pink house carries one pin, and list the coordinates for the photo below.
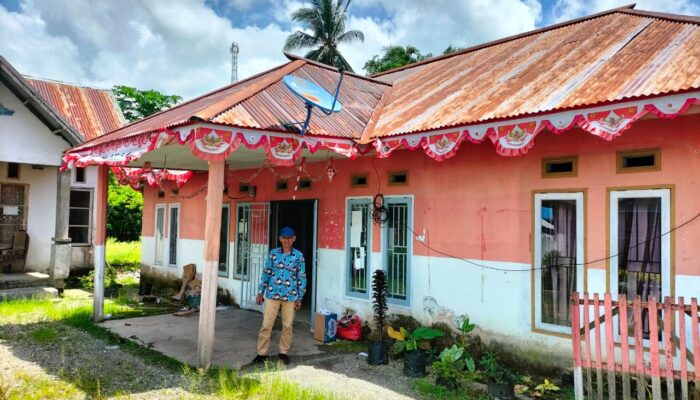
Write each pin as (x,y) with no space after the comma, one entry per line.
(513,173)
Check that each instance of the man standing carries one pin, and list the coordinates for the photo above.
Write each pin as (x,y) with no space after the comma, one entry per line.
(282,285)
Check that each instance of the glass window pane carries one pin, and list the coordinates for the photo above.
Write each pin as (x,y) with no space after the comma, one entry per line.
(80,198)
(79,216)
(397,251)
(223,241)
(78,234)
(174,220)
(558,274)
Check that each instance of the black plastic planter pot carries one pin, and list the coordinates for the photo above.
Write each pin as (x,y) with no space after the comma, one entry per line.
(378,353)
(414,363)
(500,391)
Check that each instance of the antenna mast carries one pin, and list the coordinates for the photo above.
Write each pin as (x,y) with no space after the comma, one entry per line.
(234,62)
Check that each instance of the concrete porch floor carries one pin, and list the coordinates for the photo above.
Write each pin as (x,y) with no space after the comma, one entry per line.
(235,340)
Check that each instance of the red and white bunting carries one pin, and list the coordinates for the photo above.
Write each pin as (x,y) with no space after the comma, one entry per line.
(153,177)
(511,137)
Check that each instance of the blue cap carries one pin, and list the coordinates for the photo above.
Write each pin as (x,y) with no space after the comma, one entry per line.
(287,231)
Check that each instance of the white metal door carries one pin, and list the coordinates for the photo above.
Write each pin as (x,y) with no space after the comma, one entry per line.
(252,247)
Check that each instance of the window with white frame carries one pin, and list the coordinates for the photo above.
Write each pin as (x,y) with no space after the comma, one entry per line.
(173,233)
(159,234)
(558,256)
(640,246)
(223,240)
(358,245)
(397,249)
(79,216)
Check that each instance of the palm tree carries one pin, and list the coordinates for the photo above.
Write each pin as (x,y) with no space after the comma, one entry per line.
(326,19)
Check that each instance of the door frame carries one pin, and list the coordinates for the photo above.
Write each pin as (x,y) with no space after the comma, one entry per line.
(228,243)
(155,234)
(667,270)
(171,206)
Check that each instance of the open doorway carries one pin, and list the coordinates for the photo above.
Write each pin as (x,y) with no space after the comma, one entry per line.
(300,216)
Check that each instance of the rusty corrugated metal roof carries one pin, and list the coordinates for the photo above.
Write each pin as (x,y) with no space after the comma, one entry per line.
(611,56)
(615,56)
(91,112)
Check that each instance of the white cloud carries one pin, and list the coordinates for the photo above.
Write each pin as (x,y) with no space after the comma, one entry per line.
(432,26)
(564,10)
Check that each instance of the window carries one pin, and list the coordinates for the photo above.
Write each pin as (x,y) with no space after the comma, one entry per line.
(79,216)
(223,240)
(251,244)
(12,211)
(282,185)
(359,245)
(398,178)
(358,181)
(159,233)
(560,167)
(640,246)
(559,259)
(173,233)
(12,170)
(79,175)
(396,248)
(304,184)
(638,160)
(243,188)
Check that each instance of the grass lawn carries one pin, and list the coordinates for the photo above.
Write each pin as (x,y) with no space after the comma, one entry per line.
(52,350)
(123,254)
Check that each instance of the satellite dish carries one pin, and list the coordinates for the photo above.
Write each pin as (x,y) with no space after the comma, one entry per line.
(314,96)
(312,93)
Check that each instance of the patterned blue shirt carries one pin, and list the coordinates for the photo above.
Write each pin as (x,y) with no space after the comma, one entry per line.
(284,276)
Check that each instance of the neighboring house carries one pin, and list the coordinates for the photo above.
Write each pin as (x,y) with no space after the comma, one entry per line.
(41,120)
(595,158)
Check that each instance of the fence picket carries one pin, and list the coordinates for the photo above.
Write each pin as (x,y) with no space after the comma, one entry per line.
(587,334)
(624,344)
(598,348)
(696,342)
(654,349)
(609,345)
(576,344)
(639,349)
(668,348)
(684,356)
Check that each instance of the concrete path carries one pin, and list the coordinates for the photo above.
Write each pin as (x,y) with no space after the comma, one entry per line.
(235,337)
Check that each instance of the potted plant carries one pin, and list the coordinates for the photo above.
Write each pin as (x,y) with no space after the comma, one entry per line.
(449,367)
(414,359)
(499,382)
(378,351)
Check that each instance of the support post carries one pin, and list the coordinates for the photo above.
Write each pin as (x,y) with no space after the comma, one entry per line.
(100,240)
(61,249)
(212,231)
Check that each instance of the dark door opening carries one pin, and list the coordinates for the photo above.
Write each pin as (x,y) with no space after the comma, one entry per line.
(299,215)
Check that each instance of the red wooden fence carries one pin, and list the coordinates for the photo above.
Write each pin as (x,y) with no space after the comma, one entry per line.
(650,363)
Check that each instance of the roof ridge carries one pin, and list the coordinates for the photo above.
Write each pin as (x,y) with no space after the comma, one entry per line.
(505,39)
(332,68)
(665,16)
(34,78)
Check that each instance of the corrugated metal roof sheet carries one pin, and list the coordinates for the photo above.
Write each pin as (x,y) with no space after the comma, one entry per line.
(91,112)
(621,55)
(612,56)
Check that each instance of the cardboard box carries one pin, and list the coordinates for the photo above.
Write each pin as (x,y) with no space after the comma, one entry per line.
(325,327)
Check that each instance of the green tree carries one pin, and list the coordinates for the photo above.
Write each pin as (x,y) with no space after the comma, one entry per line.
(452,49)
(137,104)
(326,20)
(394,57)
(124,212)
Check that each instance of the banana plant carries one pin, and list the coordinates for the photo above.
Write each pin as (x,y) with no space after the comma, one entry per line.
(406,341)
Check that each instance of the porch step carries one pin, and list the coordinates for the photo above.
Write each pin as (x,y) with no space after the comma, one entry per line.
(23,280)
(28,293)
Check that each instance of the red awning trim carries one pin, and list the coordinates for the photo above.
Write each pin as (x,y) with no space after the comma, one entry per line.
(516,137)
(153,177)
(210,142)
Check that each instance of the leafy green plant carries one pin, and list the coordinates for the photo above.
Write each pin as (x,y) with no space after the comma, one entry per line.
(547,388)
(124,212)
(450,365)
(406,341)
(492,369)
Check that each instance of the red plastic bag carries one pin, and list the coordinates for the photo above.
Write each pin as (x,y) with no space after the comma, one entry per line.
(349,328)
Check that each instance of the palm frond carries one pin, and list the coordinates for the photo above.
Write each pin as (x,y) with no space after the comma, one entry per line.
(300,40)
(351,36)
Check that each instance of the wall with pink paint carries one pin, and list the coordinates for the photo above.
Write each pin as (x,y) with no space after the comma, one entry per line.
(478,205)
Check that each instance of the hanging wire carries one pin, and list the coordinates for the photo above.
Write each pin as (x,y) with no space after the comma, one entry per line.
(544,267)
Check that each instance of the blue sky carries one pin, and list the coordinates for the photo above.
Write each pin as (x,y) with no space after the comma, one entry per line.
(182,46)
